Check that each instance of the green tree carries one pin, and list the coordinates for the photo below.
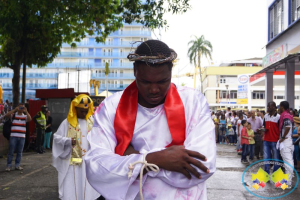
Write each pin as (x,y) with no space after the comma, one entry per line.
(32,31)
(199,47)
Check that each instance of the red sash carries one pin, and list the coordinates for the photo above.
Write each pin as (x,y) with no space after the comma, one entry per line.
(126,116)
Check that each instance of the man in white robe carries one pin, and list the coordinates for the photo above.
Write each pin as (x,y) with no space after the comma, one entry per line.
(69,148)
(183,170)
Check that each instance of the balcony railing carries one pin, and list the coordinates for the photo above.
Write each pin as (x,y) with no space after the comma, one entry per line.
(31,86)
(92,54)
(90,66)
(31,75)
(111,87)
(112,76)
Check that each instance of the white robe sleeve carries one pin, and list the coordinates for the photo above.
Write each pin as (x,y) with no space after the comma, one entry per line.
(200,137)
(62,146)
(107,171)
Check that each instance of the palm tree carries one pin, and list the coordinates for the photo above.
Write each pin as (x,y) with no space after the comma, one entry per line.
(199,47)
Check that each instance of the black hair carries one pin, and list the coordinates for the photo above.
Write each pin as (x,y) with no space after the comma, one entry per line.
(213,112)
(154,48)
(272,103)
(229,114)
(229,108)
(243,122)
(21,103)
(285,105)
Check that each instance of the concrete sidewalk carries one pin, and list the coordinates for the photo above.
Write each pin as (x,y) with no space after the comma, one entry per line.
(38,180)
(226,183)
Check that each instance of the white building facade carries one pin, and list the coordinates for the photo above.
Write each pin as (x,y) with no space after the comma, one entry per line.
(281,65)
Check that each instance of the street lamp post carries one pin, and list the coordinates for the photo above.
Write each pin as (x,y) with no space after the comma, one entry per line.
(227,93)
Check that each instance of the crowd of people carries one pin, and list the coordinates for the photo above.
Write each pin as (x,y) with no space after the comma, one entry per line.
(5,107)
(257,134)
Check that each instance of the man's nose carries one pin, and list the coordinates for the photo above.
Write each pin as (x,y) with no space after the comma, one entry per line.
(154,88)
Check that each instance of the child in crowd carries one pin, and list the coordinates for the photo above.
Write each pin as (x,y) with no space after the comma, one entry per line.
(239,129)
(244,142)
(222,129)
(251,142)
(230,134)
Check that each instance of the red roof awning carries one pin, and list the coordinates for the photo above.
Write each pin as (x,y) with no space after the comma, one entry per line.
(57,93)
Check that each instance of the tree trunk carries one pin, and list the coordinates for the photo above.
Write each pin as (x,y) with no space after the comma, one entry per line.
(24,82)
(16,85)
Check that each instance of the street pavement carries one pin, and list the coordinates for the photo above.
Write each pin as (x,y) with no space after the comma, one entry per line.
(38,180)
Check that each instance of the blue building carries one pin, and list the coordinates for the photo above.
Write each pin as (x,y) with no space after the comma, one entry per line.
(88,55)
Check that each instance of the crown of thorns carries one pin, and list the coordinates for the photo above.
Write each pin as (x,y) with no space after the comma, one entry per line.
(159,59)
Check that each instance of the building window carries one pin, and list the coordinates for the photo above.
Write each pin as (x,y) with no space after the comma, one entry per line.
(233,94)
(223,80)
(228,94)
(279,97)
(297,97)
(258,95)
(295,10)
(276,19)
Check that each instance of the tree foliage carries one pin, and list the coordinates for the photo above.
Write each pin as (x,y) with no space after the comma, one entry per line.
(199,47)
(32,31)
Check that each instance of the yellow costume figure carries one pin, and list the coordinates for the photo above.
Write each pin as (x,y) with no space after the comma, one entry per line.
(1,94)
(68,155)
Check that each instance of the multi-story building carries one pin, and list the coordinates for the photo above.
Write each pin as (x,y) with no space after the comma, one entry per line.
(220,83)
(88,55)
(280,75)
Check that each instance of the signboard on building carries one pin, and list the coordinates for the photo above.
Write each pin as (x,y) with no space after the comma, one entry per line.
(274,56)
(242,92)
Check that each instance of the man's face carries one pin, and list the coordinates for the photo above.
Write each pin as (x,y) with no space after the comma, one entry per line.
(44,110)
(21,108)
(81,112)
(153,84)
(271,107)
(281,109)
(253,114)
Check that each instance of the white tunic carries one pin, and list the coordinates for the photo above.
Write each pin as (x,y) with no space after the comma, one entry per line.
(72,180)
(107,171)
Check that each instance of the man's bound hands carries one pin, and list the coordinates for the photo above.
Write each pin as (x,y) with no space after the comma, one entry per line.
(178,159)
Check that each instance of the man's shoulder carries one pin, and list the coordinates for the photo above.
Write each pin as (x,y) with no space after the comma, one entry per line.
(113,100)
(190,95)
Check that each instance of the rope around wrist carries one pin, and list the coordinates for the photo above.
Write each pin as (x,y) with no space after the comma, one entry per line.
(147,166)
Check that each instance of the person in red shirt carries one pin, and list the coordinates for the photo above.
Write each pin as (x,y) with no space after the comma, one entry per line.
(244,142)
(271,135)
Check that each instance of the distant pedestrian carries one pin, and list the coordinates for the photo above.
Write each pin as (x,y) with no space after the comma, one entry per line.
(6,105)
(40,125)
(271,135)
(239,129)
(251,142)
(296,135)
(234,120)
(48,131)
(216,122)
(230,134)
(285,128)
(17,135)
(222,129)
(256,125)
(244,142)
(1,107)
